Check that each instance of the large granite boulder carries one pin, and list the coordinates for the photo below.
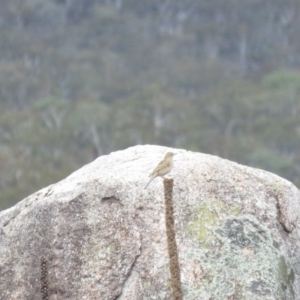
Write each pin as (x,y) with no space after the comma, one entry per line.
(101,235)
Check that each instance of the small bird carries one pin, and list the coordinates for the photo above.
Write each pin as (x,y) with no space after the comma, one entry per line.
(163,168)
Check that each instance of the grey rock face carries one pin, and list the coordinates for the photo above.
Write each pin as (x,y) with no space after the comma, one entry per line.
(103,235)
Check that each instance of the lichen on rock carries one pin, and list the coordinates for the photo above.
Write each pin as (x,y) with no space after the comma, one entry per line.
(103,235)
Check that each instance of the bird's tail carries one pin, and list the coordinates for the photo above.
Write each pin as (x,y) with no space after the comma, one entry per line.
(149,182)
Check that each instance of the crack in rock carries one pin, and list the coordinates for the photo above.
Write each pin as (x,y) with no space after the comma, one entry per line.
(129,290)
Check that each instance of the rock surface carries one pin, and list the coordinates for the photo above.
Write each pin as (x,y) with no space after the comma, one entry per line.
(103,235)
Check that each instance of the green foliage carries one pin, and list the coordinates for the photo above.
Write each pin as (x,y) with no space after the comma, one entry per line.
(284,79)
(82,79)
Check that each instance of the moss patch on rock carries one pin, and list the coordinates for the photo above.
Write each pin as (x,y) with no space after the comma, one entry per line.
(208,217)
(237,255)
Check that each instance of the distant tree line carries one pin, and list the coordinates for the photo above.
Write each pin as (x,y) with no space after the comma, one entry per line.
(80,79)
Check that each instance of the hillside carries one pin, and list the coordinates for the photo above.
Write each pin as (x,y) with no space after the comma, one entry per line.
(79,79)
